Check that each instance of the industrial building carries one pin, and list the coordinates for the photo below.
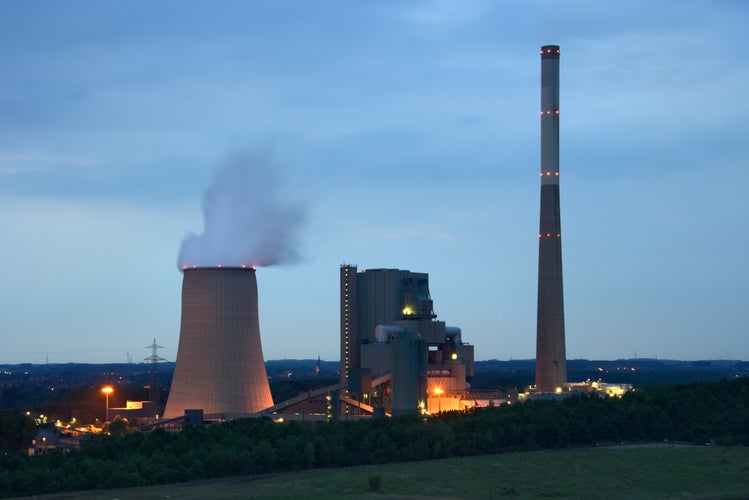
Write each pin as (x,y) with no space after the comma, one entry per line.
(396,357)
(394,353)
(220,367)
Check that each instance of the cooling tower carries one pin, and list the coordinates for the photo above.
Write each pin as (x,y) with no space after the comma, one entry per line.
(551,361)
(220,367)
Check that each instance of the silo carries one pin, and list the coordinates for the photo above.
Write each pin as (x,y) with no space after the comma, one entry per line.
(407,372)
(220,367)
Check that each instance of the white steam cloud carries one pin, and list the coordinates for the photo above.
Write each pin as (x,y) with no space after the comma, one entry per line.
(247,220)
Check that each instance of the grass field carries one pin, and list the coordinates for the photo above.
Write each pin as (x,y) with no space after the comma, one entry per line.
(626,472)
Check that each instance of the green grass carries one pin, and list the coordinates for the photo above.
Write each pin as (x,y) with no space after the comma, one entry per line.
(662,472)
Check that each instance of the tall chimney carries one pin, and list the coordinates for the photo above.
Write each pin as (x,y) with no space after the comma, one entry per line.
(220,367)
(551,361)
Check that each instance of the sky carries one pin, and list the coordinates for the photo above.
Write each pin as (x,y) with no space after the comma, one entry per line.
(408,132)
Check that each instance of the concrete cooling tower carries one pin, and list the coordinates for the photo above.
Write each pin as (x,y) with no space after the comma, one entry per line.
(220,367)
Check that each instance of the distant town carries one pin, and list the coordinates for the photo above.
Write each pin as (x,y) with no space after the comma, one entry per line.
(73,390)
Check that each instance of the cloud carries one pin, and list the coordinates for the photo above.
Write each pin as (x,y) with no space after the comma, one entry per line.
(19,162)
(440,12)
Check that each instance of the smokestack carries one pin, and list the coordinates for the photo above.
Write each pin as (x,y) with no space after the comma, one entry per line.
(551,361)
(220,367)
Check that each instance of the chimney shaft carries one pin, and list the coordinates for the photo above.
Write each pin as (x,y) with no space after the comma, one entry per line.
(551,363)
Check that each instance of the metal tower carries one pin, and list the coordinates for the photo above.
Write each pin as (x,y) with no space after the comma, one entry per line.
(154,358)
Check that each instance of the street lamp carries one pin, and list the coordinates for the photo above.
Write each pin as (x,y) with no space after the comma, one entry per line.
(107,390)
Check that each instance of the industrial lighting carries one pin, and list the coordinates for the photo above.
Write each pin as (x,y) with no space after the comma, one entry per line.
(107,390)
(438,391)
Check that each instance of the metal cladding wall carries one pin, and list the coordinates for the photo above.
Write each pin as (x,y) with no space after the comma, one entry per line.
(551,363)
(408,373)
(220,367)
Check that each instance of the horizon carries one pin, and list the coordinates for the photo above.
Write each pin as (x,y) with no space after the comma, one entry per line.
(314,360)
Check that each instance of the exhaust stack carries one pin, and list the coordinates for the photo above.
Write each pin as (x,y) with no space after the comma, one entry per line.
(551,361)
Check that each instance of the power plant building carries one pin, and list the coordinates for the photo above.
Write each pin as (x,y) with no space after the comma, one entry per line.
(395,356)
(220,368)
(394,353)
(551,361)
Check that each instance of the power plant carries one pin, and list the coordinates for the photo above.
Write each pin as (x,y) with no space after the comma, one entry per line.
(220,367)
(396,358)
(393,351)
(551,360)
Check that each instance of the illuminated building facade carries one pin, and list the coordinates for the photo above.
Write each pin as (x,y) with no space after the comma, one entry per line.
(551,361)
(349,355)
(393,351)
(220,367)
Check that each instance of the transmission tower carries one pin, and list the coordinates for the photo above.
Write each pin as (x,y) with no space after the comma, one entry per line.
(154,389)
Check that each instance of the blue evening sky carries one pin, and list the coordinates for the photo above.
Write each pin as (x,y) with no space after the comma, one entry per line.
(410,132)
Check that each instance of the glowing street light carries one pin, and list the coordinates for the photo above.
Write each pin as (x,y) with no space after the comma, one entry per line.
(107,390)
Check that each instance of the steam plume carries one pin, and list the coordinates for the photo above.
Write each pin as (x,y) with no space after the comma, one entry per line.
(247,220)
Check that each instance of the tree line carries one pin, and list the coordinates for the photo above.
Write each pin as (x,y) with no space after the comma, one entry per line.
(701,413)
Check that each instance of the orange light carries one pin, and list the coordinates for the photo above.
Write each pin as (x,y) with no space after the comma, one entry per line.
(107,389)
(548,234)
(559,235)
